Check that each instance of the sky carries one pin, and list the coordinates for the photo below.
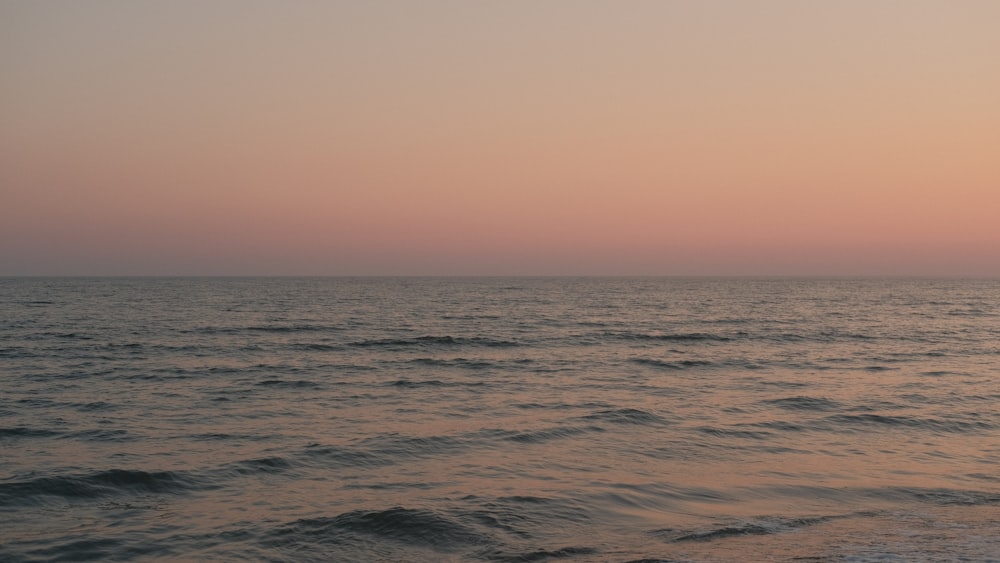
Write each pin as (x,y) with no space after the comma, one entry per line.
(515,137)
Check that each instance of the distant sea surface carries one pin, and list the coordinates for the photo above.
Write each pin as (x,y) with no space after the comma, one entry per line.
(499,419)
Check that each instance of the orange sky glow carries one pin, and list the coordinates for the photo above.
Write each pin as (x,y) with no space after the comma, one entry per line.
(708,137)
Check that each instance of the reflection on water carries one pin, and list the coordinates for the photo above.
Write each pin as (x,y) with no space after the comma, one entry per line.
(499,419)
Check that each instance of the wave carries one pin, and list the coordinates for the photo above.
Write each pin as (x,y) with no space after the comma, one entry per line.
(557,406)
(417,384)
(222,436)
(781,425)
(534,510)
(681,365)
(829,335)
(392,486)
(412,527)
(283,329)
(435,341)
(314,347)
(939,373)
(543,554)
(628,416)
(730,433)
(897,495)
(454,362)
(288,384)
(673,337)
(548,434)
(805,403)
(397,447)
(262,465)
(92,549)
(336,456)
(64,335)
(104,435)
(753,527)
(96,485)
(95,406)
(943,497)
(25,432)
(932,424)
(970,312)
(521,517)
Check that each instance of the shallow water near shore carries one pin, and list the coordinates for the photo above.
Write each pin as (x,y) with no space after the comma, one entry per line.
(499,419)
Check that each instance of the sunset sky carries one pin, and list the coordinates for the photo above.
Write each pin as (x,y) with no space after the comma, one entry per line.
(670,137)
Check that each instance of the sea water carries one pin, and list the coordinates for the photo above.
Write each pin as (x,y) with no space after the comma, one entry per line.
(499,419)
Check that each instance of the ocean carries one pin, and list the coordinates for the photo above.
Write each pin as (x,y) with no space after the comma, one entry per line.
(499,419)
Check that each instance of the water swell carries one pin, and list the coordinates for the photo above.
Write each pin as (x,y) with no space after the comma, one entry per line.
(402,533)
(399,447)
(268,465)
(410,527)
(60,335)
(543,554)
(288,384)
(277,329)
(804,403)
(477,364)
(100,484)
(410,384)
(548,434)
(91,549)
(435,341)
(628,416)
(104,435)
(314,347)
(678,365)
(391,449)
(418,384)
(692,337)
(25,432)
(943,497)
(728,433)
(525,515)
(756,527)
(862,421)
(337,456)
(939,496)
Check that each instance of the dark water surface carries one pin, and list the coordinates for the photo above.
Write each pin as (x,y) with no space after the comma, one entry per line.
(506,419)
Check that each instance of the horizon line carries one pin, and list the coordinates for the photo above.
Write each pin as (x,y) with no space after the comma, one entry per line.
(522,276)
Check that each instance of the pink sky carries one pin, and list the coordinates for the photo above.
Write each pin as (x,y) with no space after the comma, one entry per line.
(558,137)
